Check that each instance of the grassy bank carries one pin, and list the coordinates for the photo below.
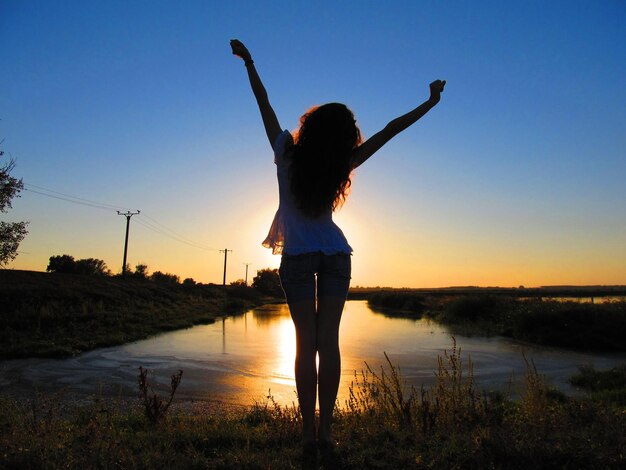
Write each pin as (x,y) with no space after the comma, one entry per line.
(55,315)
(383,425)
(572,325)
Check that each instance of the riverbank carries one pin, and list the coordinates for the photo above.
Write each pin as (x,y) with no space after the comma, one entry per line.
(598,327)
(383,425)
(59,315)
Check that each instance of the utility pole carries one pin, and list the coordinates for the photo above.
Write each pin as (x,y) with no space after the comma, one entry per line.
(128,215)
(225,251)
(247,264)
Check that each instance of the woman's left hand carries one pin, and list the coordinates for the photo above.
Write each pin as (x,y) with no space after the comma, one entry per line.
(436,88)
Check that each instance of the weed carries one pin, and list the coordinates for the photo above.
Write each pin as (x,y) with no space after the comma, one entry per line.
(155,408)
(535,393)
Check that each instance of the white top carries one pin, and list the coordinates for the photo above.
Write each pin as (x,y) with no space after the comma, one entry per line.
(293,233)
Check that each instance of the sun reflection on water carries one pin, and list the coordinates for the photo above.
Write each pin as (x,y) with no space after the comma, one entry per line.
(286,353)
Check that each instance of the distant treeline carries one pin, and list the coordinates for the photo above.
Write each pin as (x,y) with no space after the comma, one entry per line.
(364,293)
(66,264)
(266,280)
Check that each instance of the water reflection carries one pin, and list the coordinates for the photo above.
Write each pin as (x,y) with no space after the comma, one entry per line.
(239,359)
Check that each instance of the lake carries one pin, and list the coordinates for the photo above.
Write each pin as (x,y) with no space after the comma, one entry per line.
(238,360)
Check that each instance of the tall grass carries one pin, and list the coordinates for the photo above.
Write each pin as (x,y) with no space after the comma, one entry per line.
(454,425)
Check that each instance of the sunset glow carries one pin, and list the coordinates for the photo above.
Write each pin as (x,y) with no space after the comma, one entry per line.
(516,178)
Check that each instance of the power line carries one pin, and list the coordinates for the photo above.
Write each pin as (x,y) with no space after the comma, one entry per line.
(154,225)
(178,235)
(151,223)
(70,198)
(96,206)
(156,229)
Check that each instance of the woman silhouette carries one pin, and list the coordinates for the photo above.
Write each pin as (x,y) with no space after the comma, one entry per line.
(313,168)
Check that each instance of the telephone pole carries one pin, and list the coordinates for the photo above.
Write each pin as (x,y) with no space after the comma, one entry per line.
(247,264)
(128,215)
(225,251)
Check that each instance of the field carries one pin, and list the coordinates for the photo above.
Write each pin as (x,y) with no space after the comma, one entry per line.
(57,315)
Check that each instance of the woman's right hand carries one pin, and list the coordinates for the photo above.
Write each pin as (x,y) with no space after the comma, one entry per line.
(240,50)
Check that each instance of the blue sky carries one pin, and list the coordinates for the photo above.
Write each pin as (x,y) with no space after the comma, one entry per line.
(515,178)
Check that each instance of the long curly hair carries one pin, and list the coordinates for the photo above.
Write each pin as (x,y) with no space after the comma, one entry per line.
(320,167)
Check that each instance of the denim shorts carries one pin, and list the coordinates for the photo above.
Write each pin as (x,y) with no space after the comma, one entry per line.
(305,276)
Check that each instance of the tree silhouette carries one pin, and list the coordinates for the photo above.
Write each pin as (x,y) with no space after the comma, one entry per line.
(67,264)
(61,264)
(92,266)
(141,271)
(188,281)
(11,233)
(166,278)
(267,281)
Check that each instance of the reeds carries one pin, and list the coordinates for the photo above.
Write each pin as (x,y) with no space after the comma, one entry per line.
(452,401)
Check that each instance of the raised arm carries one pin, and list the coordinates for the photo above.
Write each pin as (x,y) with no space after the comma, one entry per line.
(374,143)
(270,121)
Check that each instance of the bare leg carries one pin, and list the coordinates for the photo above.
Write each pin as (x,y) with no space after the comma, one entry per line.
(328,319)
(303,315)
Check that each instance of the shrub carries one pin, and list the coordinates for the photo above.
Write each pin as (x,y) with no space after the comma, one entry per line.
(410,302)
(267,281)
(473,308)
(68,265)
(165,278)
(188,281)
